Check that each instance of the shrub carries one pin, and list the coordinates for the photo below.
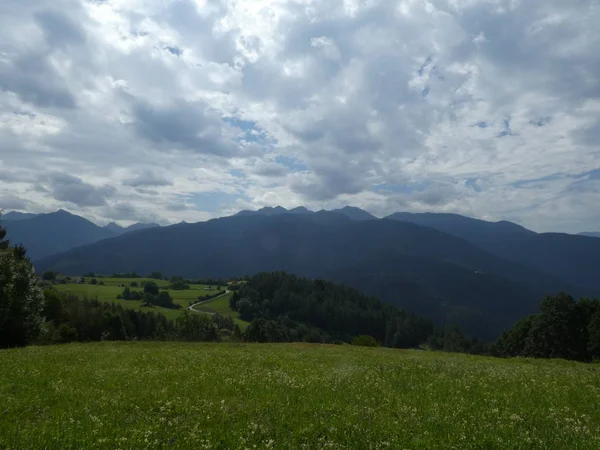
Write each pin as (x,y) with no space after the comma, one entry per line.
(365,341)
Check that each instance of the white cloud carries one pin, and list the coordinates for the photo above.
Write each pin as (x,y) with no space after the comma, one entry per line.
(443,105)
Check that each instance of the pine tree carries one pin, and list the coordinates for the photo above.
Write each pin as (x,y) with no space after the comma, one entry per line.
(21,300)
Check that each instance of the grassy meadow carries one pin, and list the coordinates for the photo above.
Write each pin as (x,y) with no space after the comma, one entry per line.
(114,287)
(193,396)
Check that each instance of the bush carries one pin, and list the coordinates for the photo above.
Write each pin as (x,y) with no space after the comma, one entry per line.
(49,275)
(365,341)
(133,284)
(150,287)
(67,333)
(179,285)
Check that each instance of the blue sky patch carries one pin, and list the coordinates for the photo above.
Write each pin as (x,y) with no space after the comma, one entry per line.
(214,202)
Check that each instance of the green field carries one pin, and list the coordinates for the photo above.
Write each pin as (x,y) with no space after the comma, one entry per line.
(114,286)
(287,396)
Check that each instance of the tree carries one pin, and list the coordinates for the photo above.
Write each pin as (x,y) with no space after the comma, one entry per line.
(150,287)
(49,275)
(21,300)
(93,281)
(126,294)
(164,299)
(148,299)
(133,284)
(155,275)
(261,330)
(559,331)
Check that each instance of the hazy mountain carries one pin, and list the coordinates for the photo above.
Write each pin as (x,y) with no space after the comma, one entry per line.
(354,213)
(300,210)
(118,230)
(575,259)
(349,211)
(590,234)
(418,268)
(476,231)
(266,211)
(141,226)
(47,234)
(15,215)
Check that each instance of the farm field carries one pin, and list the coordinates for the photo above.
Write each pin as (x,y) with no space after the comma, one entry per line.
(114,287)
(191,395)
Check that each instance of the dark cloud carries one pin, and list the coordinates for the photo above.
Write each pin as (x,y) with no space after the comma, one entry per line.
(59,29)
(176,206)
(68,188)
(188,125)
(8,201)
(34,80)
(147,178)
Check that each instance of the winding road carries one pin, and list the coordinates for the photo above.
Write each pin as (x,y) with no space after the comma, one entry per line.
(191,307)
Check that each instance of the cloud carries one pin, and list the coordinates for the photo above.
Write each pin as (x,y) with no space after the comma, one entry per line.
(68,188)
(135,110)
(147,178)
(10,202)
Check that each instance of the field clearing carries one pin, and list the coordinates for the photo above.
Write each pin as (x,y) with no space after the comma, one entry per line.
(189,396)
(220,305)
(113,288)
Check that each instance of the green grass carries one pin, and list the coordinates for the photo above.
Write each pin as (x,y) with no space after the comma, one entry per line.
(220,305)
(113,287)
(287,396)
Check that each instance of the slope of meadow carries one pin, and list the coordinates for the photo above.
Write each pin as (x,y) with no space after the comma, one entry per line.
(113,287)
(178,395)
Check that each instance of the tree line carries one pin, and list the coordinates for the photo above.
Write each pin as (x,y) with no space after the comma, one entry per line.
(287,307)
(564,328)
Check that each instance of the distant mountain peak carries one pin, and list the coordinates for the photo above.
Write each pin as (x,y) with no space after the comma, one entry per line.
(265,211)
(354,213)
(300,210)
(114,228)
(141,226)
(275,210)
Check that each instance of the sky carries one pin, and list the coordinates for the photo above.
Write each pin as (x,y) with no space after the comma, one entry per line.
(171,110)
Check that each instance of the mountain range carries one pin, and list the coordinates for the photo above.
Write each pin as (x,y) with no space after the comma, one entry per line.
(48,234)
(480,275)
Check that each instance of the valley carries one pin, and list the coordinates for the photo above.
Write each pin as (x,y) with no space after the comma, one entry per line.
(107,290)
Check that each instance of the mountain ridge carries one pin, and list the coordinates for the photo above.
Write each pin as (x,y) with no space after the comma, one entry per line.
(331,245)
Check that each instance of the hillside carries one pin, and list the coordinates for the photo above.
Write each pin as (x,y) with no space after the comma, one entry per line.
(47,234)
(328,245)
(575,259)
(15,215)
(285,396)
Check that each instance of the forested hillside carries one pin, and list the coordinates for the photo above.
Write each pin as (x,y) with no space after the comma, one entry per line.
(575,259)
(335,312)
